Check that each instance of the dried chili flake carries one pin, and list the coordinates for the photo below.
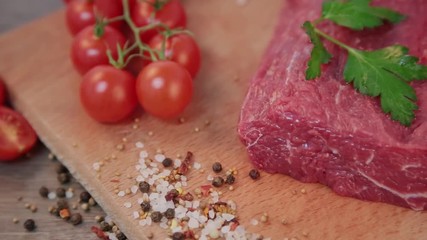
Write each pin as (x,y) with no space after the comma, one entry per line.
(183,169)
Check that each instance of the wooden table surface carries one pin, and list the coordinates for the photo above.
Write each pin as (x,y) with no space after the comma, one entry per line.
(24,178)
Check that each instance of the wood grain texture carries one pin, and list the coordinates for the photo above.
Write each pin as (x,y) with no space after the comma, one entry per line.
(45,88)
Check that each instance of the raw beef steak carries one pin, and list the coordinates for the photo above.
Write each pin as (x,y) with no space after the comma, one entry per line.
(323,130)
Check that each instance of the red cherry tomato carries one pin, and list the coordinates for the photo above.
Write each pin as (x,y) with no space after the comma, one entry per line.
(88,50)
(79,15)
(17,137)
(164,89)
(66,1)
(108,94)
(172,14)
(110,9)
(2,92)
(182,49)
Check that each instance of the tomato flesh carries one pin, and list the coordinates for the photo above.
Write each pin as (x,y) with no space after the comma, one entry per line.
(182,49)
(2,92)
(88,50)
(172,14)
(108,94)
(79,14)
(110,9)
(17,137)
(164,89)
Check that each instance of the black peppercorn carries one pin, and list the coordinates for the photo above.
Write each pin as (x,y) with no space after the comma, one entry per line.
(167,162)
(64,178)
(178,236)
(62,204)
(30,225)
(145,206)
(218,181)
(230,179)
(170,213)
(121,236)
(60,192)
(217,167)
(105,227)
(85,196)
(156,216)
(59,168)
(254,174)
(144,187)
(43,191)
(76,218)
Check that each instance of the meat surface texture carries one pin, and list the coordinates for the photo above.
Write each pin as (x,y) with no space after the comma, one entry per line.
(323,130)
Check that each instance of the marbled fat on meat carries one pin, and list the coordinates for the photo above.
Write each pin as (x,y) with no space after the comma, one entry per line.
(323,130)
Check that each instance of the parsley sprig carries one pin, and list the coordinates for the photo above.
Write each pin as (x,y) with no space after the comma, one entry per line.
(384,73)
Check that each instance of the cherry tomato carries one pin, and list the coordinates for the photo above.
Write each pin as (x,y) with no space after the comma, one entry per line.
(135,65)
(17,137)
(108,94)
(110,9)
(79,14)
(88,50)
(172,14)
(164,89)
(66,1)
(180,48)
(2,92)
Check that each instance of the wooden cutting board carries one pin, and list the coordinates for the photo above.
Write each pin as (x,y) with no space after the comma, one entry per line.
(44,87)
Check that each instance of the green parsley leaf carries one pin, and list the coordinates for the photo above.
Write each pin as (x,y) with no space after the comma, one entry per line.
(386,73)
(319,54)
(358,14)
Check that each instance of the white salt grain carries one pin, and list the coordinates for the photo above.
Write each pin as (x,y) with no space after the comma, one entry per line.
(143,154)
(96,166)
(193,223)
(254,222)
(227,216)
(159,157)
(69,194)
(197,165)
(121,194)
(140,200)
(127,205)
(51,195)
(135,215)
(139,145)
(177,163)
(142,222)
(134,189)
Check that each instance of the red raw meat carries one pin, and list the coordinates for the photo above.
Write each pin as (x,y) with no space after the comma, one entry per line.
(323,130)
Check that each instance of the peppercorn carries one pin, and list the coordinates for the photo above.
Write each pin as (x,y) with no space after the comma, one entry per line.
(92,202)
(54,211)
(59,168)
(230,179)
(105,227)
(167,162)
(145,206)
(217,167)
(178,236)
(60,192)
(43,191)
(144,187)
(85,196)
(99,219)
(254,174)
(218,181)
(170,213)
(121,236)
(62,204)
(64,178)
(85,207)
(156,216)
(65,214)
(30,225)
(76,218)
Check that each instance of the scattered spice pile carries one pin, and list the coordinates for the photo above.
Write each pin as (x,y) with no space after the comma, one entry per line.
(197,214)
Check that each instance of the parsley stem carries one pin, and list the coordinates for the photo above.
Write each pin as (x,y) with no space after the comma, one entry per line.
(333,40)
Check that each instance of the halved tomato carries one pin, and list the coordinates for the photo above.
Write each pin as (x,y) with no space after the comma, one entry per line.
(17,136)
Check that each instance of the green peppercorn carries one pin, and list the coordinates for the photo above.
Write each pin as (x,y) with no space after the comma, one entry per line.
(167,162)
(60,192)
(30,225)
(43,191)
(76,218)
(254,174)
(217,167)
(145,206)
(170,213)
(85,196)
(121,236)
(178,236)
(144,187)
(218,181)
(230,179)
(156,216)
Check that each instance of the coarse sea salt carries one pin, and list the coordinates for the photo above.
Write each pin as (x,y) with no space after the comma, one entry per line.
(127,205)
(51,195)
(143,154)
(69,194)
(140,200)
(159,157)
(134,189)
(135,215)
(139,145)
(197,165)
(121,193)
(96,166)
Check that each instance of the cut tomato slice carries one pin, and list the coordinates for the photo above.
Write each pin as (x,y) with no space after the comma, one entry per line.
(17,136)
